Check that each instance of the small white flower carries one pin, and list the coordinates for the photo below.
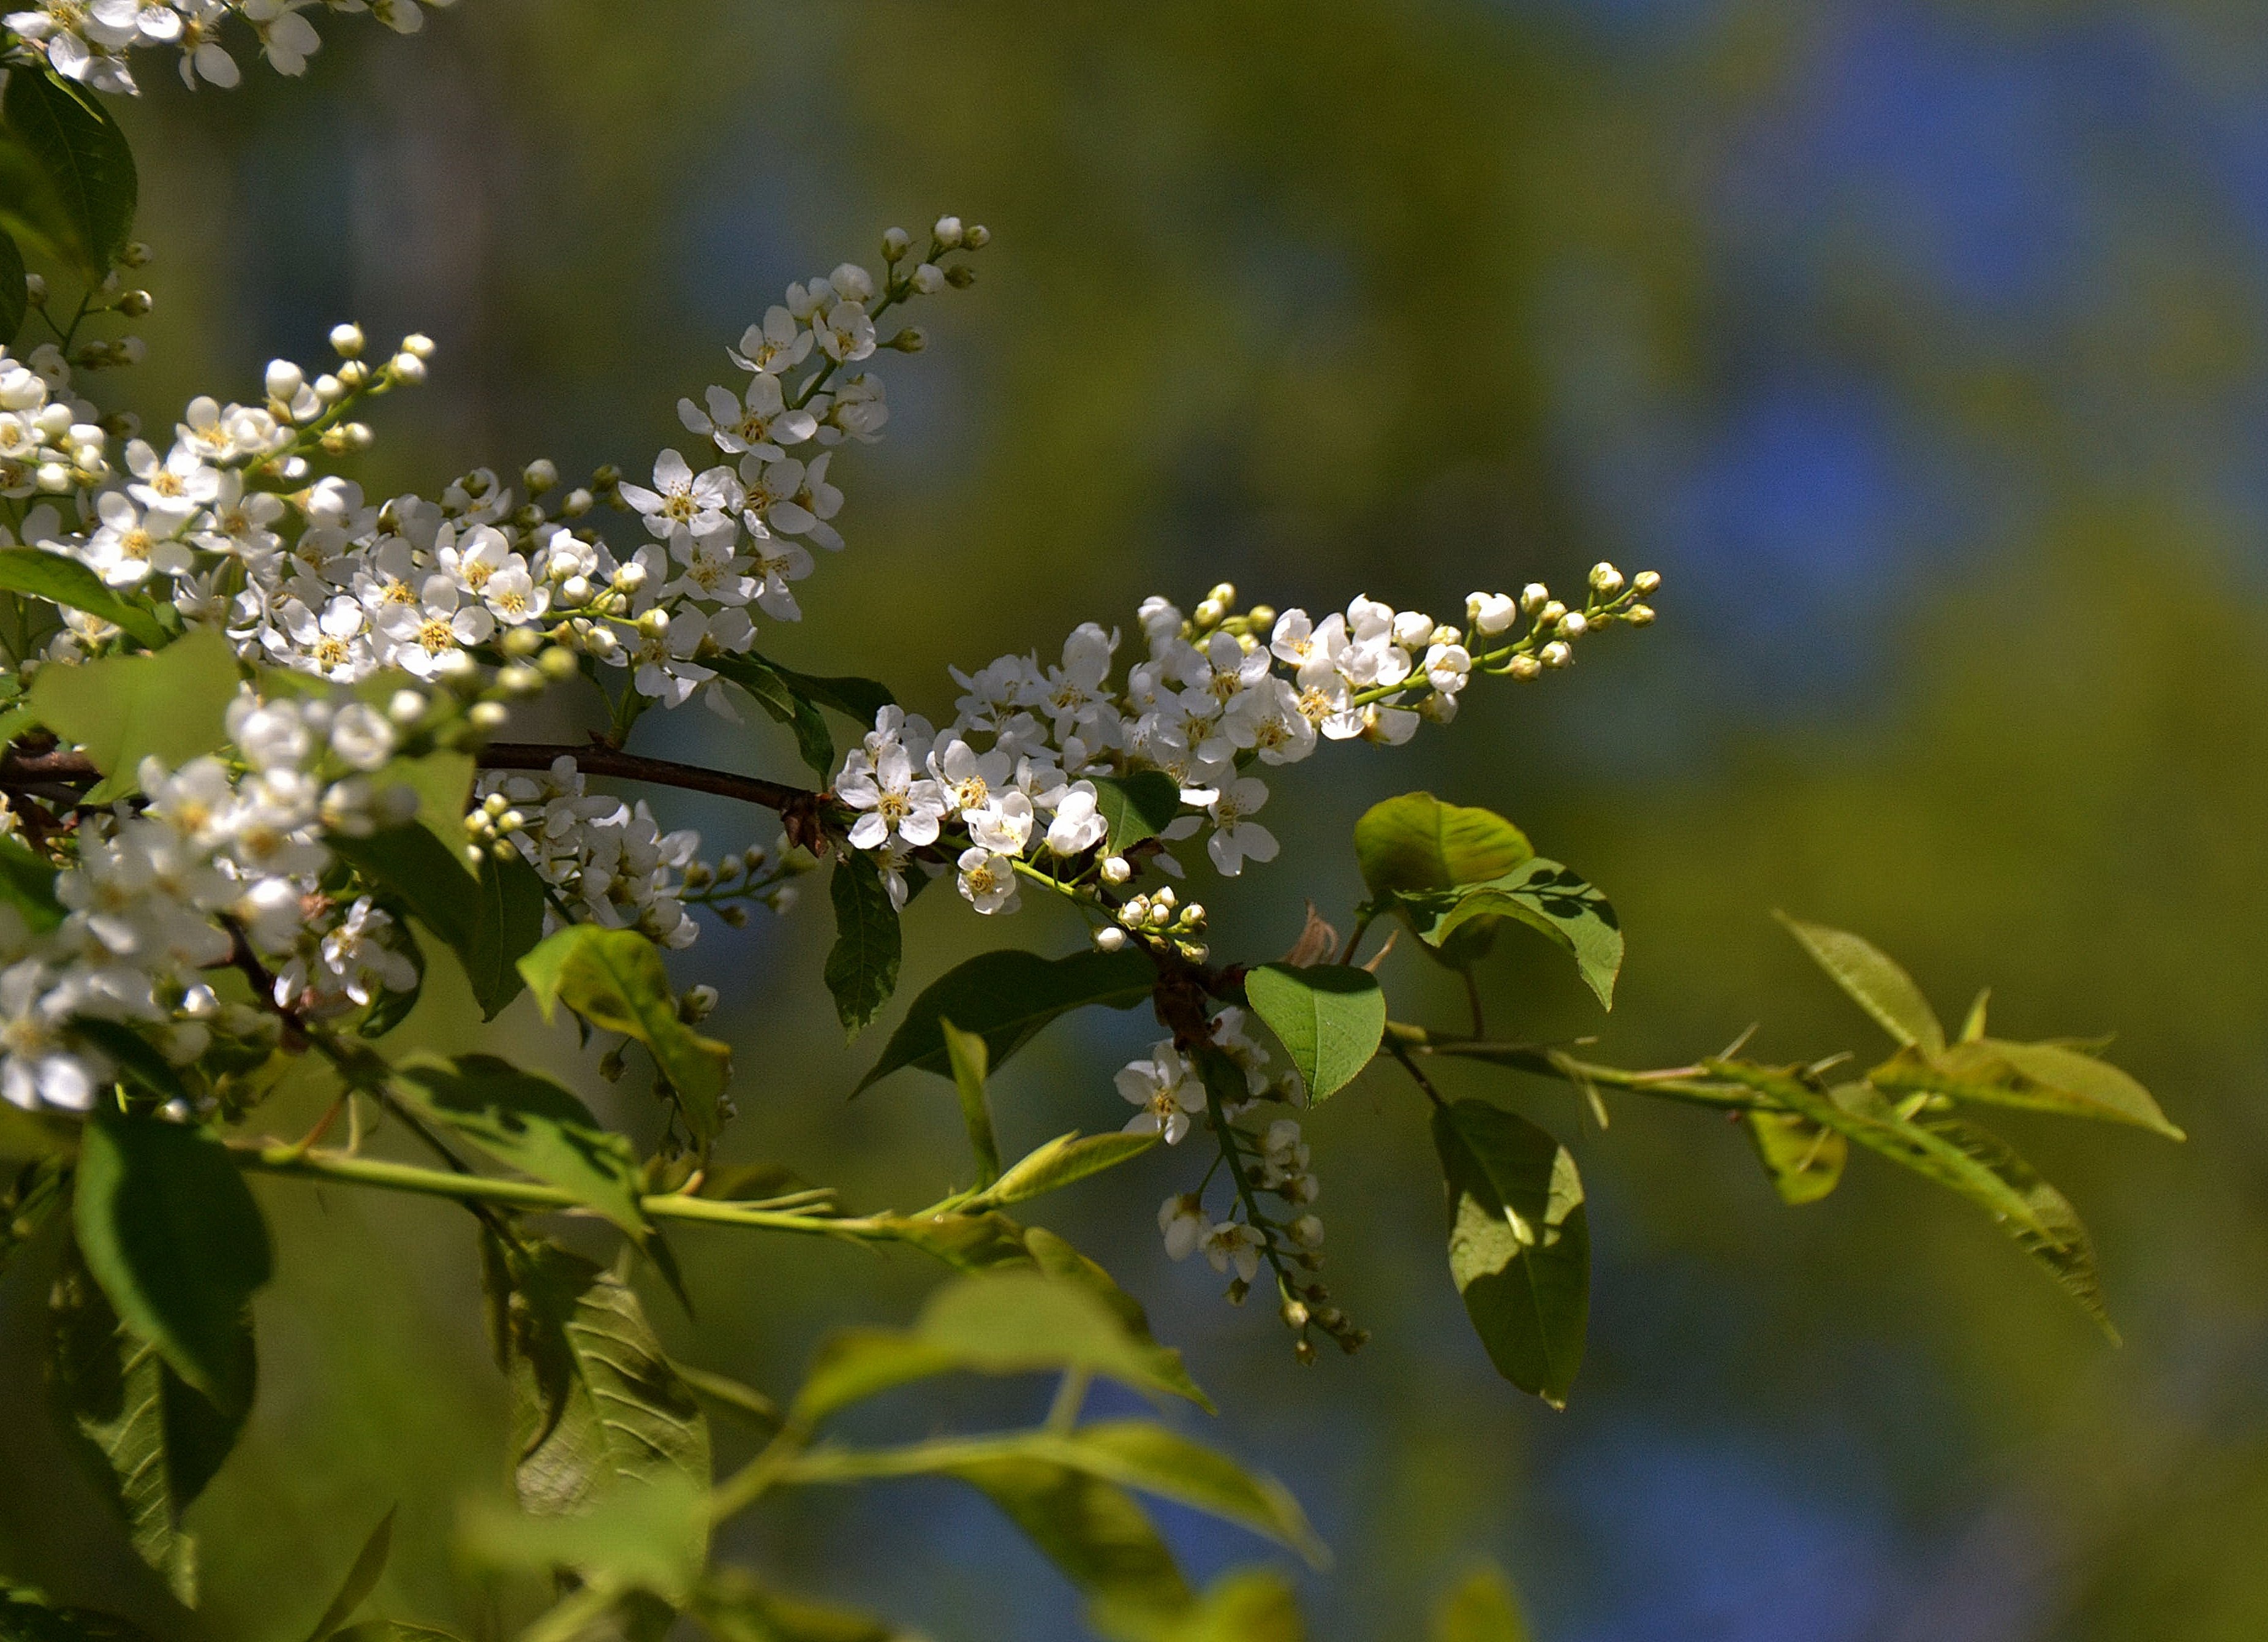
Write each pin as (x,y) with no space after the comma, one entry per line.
(1078,825)
(896,804)
(1233,1243)
(1166,1090)
(1236,840)
(988,881)
(1182,1222)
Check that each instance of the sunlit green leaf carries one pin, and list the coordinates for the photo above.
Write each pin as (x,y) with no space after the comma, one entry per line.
(862,967)
(2037,1077)
(1136,806)
(1804,1159)
(1057,1163)
(1874,983)
(1005,997)
(169,705)
(965,1053)
(539,1127)
(62,579)
(169,1232)
(652,1538)
(615,980)
(1545,896)
(968,1242)
(1520,1244)
(1482,1609)
(89,169)
(1152,1460)
(362,1579)
(1330,1019)
(1415,842)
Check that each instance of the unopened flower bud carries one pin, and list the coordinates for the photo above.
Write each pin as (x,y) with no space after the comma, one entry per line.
(1208,614)
(1533,597)
(347,341)
(328,388)
(960,276)
(358,436)
(977,236)
(1556,654)
(913,339)
(1110,938)
(1549,615)
(1606,578)
(895,243)
(1574,624)
(630,576)
(353,373)
(35,290)
(540,476)
(136,304)
(1646,582)
(1295,1313)
(487,716)
(558,662)
(408,367)
(1115,868)
(284,380)
(1524,667)
(1639,615)
(654,623)
(948,232)
(579,503)
(576,590)
(929,279)
(697,1003)
(136,255)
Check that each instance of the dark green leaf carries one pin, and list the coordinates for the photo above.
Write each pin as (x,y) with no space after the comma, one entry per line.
(965,1052)
(862,967)
(136,1058)
(1483,1608)
(1138,806)
(26,1616)
(1545,896)
(176,1241)
(1875,983)
(390,1631)
(1059,1162)
(776,696)
(27,883)
(860,700)
(598,1411)
(615,980)
(89,167)
(2037,1077)
(1096,1533)
(1520,1243)
(60,579)
(388,1010)
(507,922)
(409,864)
(362,1579)
(1005,997)
(1329,1017)
(650,1538)
(14,295)
(537,1126)
(1804,1159)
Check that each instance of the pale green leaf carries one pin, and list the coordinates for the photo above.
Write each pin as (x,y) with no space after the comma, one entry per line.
(2036,1076)
(967,1054)
(26,1615)
(1519,1245)
(1059,1162)
(732,1607)
(60,579)
(1330,1019)
(1243,1605)
(528,1122)
(1874,983)
(1005,997)
(615,980)
(1804,1159)
(1094,1532)
(1482,1607)
(1415,842)
(169,705)
(653,1538)
(1152,1460)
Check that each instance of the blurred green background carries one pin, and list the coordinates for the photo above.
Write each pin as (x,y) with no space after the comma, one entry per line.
(1921,348)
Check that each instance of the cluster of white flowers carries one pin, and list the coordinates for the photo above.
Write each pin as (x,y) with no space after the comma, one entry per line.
(1009,787)
(607,861)
(159,895)
(88,41)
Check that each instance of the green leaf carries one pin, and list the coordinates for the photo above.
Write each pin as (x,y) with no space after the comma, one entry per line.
(1013,1322)
(27,883)
(362,1579)
(1969,1160)
(1243,1605)
(507,922)
(859,700)
(169,705)
(973,1243)
(2035,1077)
(775,695)
(1059,1162)
(733,1608)
(89,167)
(1005,997)
(1875,983)
(137,1059)
(176,1241)
(1136,806)
(653,1538)
(1804,1159)
(442,784)
(1545,896)
(391,1630)
(734,1397)
(966,1052)
(15,296)
(1520,1243)
(598,1411)
(62,579)
(1149,1458)
(1417,842)
(526,1121)
(1057,1259)
(26,1616)
(1094,1532)
(1329,1017)
(862,967)
(1482,1609)
(409,864)
(615,980)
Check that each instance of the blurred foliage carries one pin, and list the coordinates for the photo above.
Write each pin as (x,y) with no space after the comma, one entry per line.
(1919,345)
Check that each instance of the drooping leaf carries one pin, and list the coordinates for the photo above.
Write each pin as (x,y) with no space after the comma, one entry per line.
(507,922)
(1969,1160)
(1094,1532)
(862,967)
(859,700)
(26,1615)
(14,294)
(1010,1324)
(62,579)
(1150,1459)
(1057,1163)
(2036,1076)
(1545,896)
(598,1412)
(1873,982)
(770,691)
(1330,1019)
(27,883)
(169,705)
(1136,806)
(525,1120)
(176,1242)
(89,168)
(1482,1609)
(1520,1244)
(965,1050)
(1005,997)
(1804,1159)
(362,1579)
(1243,1605)
(731,1607)
(615,980)
(651,1538)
